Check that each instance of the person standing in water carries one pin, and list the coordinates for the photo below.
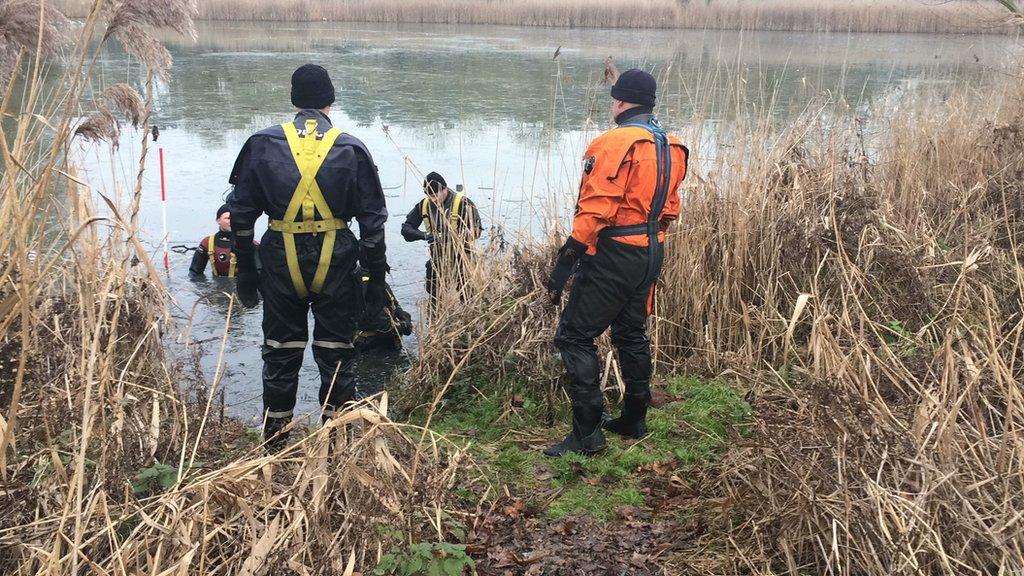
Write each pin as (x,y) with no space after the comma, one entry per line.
(311,180)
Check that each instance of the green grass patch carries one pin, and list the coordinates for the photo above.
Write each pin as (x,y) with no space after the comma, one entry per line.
(689,430)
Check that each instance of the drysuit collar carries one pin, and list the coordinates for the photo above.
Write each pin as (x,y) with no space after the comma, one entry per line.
(641,114)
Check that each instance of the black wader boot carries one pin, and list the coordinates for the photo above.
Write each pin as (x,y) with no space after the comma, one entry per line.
(632,422)
(274,435)
(586,437)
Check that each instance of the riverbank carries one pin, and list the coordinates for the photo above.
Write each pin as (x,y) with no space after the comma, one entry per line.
(636,508)
(903,16)
(841,306)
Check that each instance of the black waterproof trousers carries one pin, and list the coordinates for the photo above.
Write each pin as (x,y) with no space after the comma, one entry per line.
(449,264)
(336,311)
(611,289)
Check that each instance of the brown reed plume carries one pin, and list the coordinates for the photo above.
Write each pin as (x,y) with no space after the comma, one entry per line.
(126,99)
(101,125)
(28,25)
(132,21)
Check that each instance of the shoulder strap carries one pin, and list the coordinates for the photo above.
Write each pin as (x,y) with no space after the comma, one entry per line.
(456,210)
(211,247)
(425,213)
(663,182)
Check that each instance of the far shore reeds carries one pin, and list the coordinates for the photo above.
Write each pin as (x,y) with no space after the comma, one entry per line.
(903,16)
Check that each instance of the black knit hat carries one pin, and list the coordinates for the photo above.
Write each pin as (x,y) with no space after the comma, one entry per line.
(223,208)
(311,87)
(635,86)
(433,183)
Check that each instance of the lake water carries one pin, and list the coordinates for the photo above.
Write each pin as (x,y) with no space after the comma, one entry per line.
(487,107)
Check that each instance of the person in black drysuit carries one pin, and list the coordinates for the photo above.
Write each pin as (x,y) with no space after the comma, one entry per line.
(452,226)
(311,181)
(215,249)
(629,196)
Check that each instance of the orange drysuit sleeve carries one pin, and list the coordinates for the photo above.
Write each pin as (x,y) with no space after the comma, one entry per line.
(601,190)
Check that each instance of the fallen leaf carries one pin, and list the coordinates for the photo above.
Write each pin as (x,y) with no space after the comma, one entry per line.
(626,512)
(659,398)
(515,509)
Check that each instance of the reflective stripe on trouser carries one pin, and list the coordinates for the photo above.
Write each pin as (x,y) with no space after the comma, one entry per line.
(285,322)
(607,293)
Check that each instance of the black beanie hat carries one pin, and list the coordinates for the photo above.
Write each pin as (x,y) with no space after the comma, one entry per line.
(635,86)
(223,208)
(433,183)
(311,87)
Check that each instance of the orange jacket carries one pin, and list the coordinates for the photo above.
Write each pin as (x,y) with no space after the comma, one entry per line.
(618,186)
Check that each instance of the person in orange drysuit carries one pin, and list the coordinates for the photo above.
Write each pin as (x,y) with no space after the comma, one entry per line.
(629,194)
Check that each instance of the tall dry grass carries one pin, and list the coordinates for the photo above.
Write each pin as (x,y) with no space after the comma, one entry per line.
(859,272)
(113,459)
(985,16)
(869,285)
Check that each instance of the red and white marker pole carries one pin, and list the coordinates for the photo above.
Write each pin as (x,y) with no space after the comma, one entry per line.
(163,209)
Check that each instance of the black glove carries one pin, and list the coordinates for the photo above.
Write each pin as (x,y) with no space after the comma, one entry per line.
(566,263)
(430,238)
(247,280)
(376,295)
(403,321)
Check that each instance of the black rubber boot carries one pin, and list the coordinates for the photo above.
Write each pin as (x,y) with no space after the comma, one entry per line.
(586,437)
(632,422)
(274,434)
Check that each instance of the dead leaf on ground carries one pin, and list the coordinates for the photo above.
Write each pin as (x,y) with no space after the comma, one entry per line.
(659,398)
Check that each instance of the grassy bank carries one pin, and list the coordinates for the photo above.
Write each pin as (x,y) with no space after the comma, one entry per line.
(623,511)
(907,16)
(691,421)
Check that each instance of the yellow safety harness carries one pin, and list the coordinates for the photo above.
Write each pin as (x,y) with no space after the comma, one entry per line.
(453,217)
(309,154)
(212,255)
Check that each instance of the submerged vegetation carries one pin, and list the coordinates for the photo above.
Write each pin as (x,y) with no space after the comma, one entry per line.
(985,16)
(843,291)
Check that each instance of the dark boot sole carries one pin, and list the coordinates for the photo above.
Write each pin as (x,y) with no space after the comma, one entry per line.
(581,452)
(609,426)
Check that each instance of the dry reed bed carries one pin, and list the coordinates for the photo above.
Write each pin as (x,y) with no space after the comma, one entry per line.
(90,397)
(861,275)
(785,15)
(885,298)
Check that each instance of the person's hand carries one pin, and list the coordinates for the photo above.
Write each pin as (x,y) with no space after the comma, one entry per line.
(566,263)
(376,296)
(430,238)
(555,296)
(247,280)
(403,321)
(247,288)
